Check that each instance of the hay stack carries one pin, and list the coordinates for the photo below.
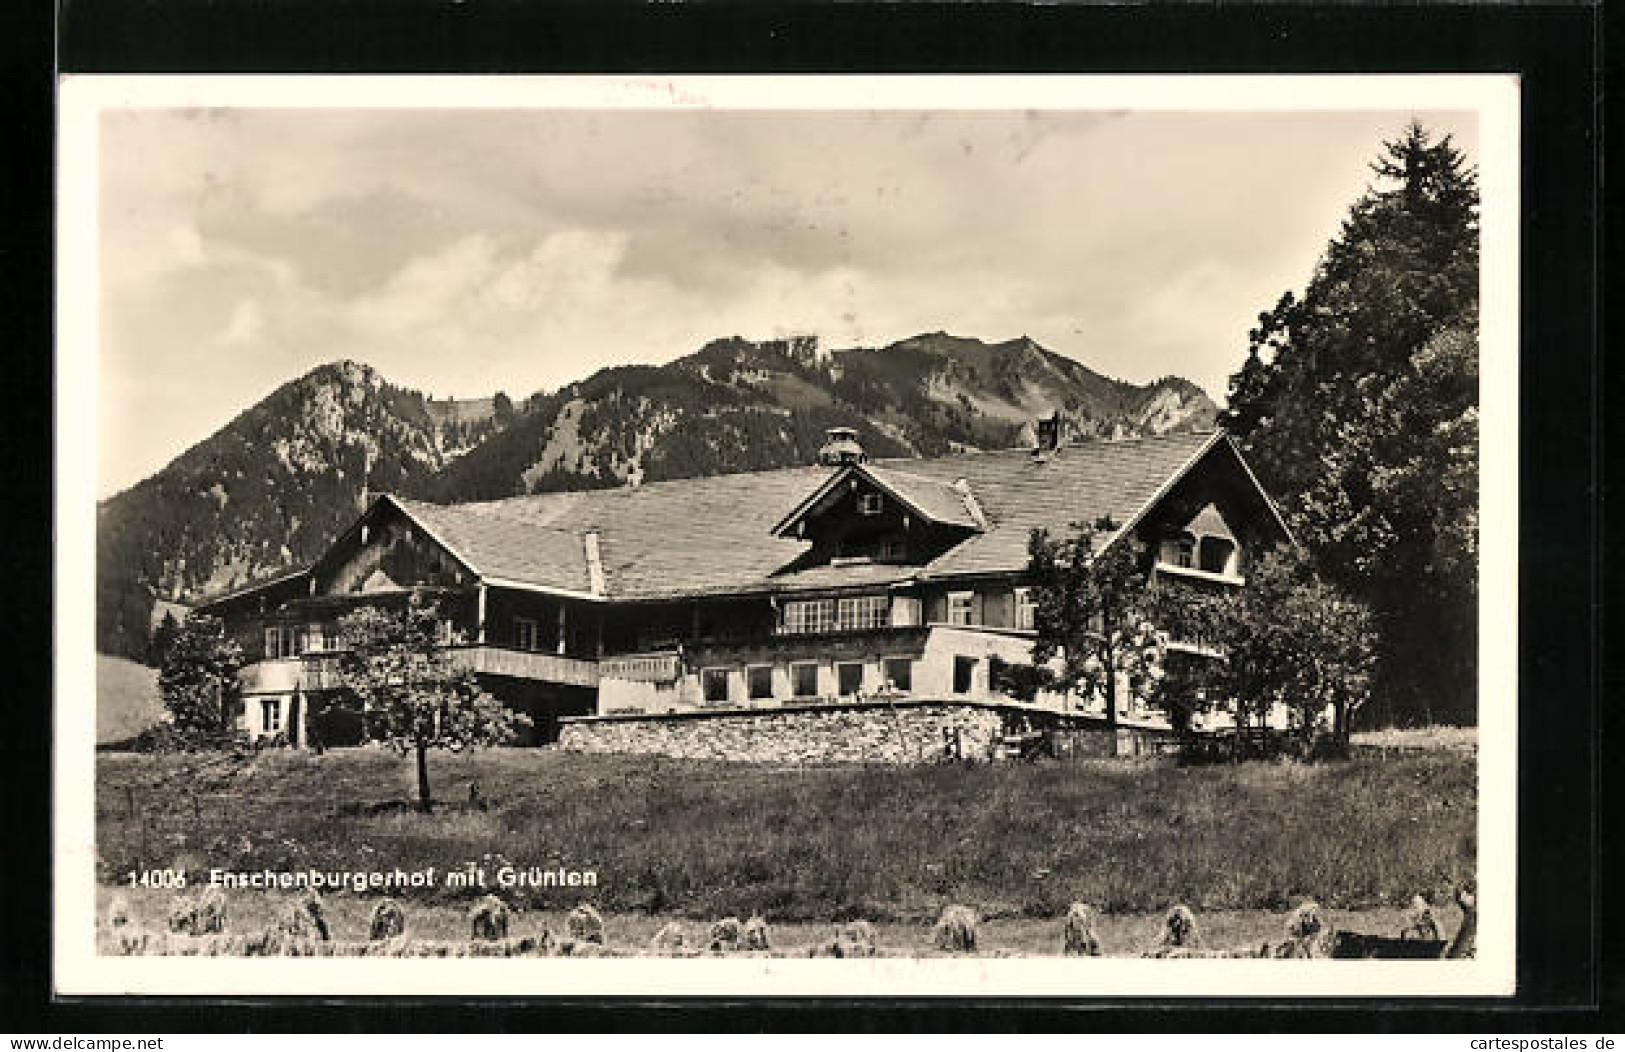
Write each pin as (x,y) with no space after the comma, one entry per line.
(388,921)
(725,935)
(1307,934)
(118,913)
(1078,938)
(755,936)
(860,932)
(1465,944)
(854,939)
(672,937)
(310,908)
(1420,922)
(956,930)
(585,924)
(204,915)
(488,920)
(1179,933)
(297,932)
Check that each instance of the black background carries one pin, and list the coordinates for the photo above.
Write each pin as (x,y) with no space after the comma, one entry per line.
(1563,683)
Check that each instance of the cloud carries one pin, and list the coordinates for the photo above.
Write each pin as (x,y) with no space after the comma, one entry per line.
(465,251)
(244,325)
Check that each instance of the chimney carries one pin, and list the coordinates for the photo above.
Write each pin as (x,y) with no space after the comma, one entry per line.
(1051,433)
(841,447)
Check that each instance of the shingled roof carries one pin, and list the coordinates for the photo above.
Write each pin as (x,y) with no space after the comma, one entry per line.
(708,536)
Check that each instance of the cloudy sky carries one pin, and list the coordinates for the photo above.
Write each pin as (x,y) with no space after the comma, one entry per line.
(464,252)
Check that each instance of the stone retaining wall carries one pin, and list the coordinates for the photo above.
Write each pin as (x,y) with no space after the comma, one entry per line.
(910,733)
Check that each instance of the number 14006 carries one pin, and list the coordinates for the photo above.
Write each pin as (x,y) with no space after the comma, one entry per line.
(157,878)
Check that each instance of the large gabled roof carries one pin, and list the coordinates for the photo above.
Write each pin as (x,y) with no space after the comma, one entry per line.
(715,535)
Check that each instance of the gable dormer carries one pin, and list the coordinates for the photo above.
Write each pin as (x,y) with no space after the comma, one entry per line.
(863,513)
(386,550)
(1206,543)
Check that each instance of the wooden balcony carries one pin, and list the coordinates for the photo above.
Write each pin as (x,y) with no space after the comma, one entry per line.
(528,664)
(319,671)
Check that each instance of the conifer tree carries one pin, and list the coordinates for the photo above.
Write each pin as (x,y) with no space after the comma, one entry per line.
(1357,405)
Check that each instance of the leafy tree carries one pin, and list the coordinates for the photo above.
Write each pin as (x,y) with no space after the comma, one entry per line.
(1288,638)
(198,678)
(1092,611)
(414,696)
(1357,405)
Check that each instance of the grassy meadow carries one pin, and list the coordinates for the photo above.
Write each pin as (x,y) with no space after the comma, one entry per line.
(127,700)
(813,845)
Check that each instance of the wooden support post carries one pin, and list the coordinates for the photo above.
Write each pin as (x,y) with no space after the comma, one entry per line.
(479,615)
(563,626)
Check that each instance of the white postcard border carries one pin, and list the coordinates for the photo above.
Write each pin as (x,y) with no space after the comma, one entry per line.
(78,970)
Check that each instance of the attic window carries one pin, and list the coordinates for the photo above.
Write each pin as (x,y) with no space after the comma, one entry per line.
(870,504)
(1216,554)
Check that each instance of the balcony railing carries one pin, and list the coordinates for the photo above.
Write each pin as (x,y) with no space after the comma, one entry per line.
(528,664)
(663,667)
(319,670)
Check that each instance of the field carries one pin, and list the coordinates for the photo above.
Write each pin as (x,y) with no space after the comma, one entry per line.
(127,700)
(815,845)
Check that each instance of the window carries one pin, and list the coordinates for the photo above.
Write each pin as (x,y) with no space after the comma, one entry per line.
(1215,554)
(1184,551)
(870,504)
(964,674)
(959,607)
(714,684)
(526,633)
(809,616)
(892,550)
(1026,608)
(443,633)
(759,678)
(281,641)
(804,680)
(863,611)
(270,715)
(848,678)
(315,638)
(899,672)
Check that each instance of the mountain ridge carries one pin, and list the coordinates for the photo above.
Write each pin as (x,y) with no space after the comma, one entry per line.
(274,485)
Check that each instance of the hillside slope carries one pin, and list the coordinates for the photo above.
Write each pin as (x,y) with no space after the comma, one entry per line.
(268,490)
(127,700)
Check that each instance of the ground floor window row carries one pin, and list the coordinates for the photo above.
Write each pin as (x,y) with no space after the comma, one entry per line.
(811,680)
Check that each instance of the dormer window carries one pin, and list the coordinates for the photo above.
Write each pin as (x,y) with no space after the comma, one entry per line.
(1216,555)
(870,504)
